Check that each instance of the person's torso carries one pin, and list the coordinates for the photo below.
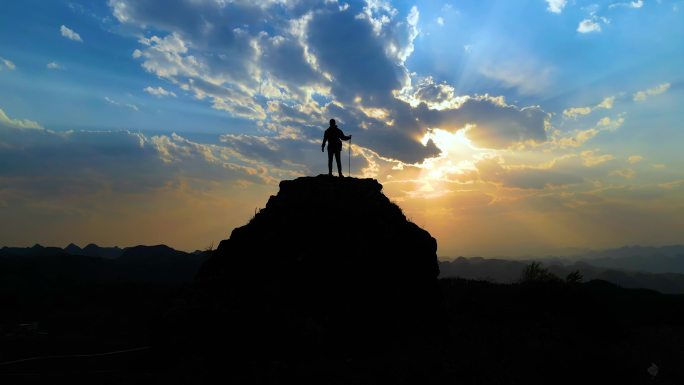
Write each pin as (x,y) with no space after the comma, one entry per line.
(334,135)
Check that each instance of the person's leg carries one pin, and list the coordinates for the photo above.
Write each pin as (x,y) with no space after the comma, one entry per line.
(330,156)
(339,164)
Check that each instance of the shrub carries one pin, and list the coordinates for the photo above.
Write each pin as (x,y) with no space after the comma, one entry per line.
(535,273)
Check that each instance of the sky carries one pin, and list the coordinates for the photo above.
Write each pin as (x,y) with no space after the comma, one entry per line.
(511,128)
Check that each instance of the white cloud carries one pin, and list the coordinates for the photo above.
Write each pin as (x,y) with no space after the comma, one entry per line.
(640,96)
(588,26)
(159,91)
(17,123)
(632,4)
(119,104)
(556,6)
(70,34)
(608,124)
(54,66)
(606,103)
(440,20)
(578,137)
(7,64)
(574,112)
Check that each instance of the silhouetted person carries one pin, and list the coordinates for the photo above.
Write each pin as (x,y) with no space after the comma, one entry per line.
(334,136)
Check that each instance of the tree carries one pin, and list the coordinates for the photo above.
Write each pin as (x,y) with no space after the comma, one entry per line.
(574,277)
(535,273)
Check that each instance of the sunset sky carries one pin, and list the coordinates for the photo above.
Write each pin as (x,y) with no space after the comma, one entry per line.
(502,127)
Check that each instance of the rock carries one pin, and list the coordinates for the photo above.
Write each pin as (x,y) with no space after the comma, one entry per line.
(330,267)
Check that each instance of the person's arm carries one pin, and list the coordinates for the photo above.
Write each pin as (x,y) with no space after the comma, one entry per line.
(344,137)
(325,139)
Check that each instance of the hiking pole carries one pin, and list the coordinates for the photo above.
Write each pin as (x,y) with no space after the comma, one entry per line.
(350,157)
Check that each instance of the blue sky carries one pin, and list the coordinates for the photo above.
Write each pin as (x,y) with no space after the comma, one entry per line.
(502,127)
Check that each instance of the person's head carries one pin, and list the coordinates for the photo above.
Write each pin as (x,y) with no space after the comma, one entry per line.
(332,123)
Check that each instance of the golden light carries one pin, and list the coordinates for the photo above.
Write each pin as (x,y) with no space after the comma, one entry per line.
(458,156)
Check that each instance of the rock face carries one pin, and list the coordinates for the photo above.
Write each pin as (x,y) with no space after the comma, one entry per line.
(329,267)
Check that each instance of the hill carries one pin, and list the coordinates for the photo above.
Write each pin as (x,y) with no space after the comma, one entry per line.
(329,268)
(509,271)
(664,259)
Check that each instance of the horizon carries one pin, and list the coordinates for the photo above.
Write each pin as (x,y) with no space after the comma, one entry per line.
(503,129)
(561,253)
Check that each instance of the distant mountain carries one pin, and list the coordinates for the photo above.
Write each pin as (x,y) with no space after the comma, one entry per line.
(509,271)
(161,262)
(665,259)
(45,266)
(94,250)
(73,249)
(91,250)
(30,251)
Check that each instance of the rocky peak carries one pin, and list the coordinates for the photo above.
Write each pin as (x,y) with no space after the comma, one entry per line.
(330,266)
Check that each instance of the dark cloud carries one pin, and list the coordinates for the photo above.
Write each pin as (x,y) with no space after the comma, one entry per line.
(497,125)
(264,61)
(347,48)
(43,162)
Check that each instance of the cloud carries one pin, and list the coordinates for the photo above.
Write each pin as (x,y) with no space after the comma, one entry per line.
(640,96)
(7,122)
(606,103)
(114,186)
(626,173)
(608,124)
(7,64)
(574,112)
(525,74)
(672,185)
(85,161)
(495,123)
(495,170)
(159,91)
(70,34)
(54,66)
(591,159)
(632,4)
(588,26)
(119,104)
(579,137)
(283,67)
(273,63)
(635,159)
(440,20)
(556,6)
